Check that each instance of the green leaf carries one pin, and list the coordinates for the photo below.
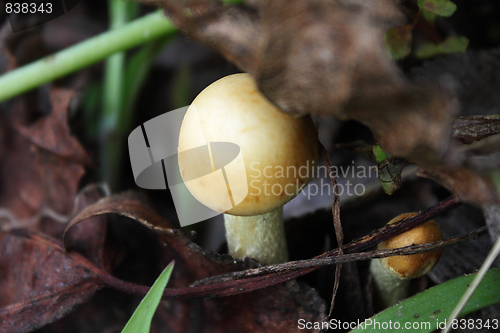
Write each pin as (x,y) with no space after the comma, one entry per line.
(432,307)
(454,44)
(378,153)
(427,50)
(181,95)
(140,322)
(430,17)
(440,7)
(450,45)
(389,175)
(495,175)
(232,2)
(398,41)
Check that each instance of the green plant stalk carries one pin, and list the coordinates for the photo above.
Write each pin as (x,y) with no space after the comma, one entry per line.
(428,310)
(473,285)
(113,99)
(86,53)
(181,92)
(134,74)
(113,76)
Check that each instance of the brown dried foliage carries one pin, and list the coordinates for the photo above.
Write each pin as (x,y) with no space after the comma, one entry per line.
(327,57)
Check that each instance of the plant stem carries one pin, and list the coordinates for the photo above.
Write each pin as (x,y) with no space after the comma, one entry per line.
(84,54)
(113,99)
(136,72)
(261,237)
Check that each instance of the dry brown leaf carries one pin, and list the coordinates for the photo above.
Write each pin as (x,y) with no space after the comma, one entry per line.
(327,57)
(7,61)
(466,184)
(40,281)
(89,239)
(42,163)
(52,132)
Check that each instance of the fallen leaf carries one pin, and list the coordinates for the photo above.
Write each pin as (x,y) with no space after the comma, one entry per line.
(475,80)
(466,184)
(42,163)
(327,57)
(269,307)
(90,238)
(7,60)
(52,132)
(40,281)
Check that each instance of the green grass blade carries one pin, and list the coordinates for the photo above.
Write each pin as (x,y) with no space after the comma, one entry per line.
(136,72)
(432,307)
(182,87)
(113,96)
(140,322)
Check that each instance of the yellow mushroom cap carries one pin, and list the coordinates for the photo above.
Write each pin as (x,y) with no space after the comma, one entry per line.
(277,149)
(414,265)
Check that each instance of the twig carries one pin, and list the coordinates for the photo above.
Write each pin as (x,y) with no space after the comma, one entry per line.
(337,224)
(342,258)
(254,279)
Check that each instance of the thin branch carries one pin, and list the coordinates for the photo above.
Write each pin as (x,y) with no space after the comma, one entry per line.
(259,278)
(337,224)
(389,231)
(342,258)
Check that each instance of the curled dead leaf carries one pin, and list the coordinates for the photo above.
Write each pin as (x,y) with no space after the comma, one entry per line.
(41,163)
(52,132)
(327,57)
(40,281)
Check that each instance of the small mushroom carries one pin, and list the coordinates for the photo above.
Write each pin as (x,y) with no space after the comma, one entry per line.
(391,275)
(278,151)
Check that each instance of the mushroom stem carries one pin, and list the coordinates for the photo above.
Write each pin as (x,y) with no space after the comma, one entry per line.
(261,237)
(388,288)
